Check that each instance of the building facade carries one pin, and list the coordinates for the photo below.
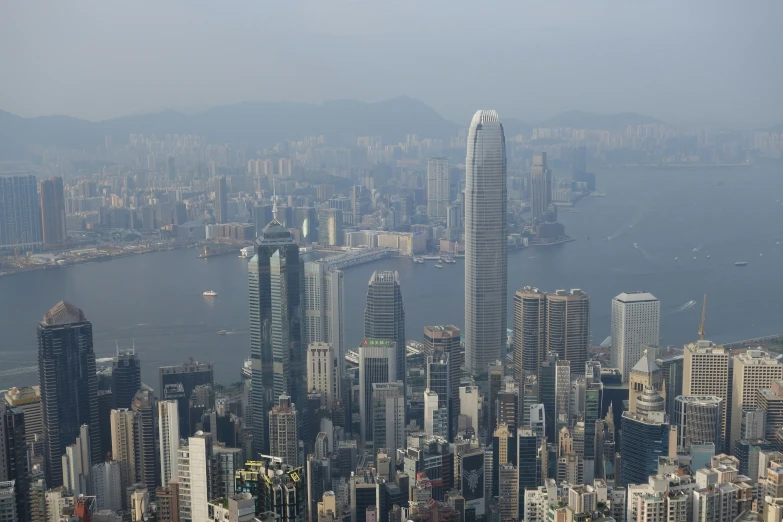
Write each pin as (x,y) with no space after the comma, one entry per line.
(635,325)
(438,187)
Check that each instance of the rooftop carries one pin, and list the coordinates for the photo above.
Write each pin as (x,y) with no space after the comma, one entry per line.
(63,313)
(635,297)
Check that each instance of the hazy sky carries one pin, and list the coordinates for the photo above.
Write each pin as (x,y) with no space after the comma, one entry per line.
(680,60)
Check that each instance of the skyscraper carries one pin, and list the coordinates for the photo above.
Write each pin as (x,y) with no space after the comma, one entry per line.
(540,187)
(388,416)
(555,392)
(168,435)
(52,202)
(13,454)
(221,200)
(568,327)
(69,385)
(645,439)
(124,446)
(384,315)
(754,370)
(529,332)
(147,468)
(377,364)
(277,349)
(698,420)
(438,189)
(706,373)
(283,433)
(486,249)
(645,374)
(322,376)
(20,214)
(76,464)
(446,340)
(635,324)
(125,378)
(323,307)
(179,382)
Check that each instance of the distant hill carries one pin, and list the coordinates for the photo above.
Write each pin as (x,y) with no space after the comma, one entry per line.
(775,128)
(252,123)
(514,127)
(588,120)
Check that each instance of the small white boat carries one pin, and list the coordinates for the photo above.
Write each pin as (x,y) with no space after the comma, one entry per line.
(438,265)
(210,293)
(708,257)
(740,263)
(676,258)
(635,245)
(222,332)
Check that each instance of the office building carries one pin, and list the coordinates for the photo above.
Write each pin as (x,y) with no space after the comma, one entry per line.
(125,377)
(472,480)
(672,367)
(645,374)
(529,468)
(168,437)
(283,431)
(14,465)
(107,485)
(52,203)
(69,385)
(568,327)
(178,383)
(377,364)
(168,503)
(529,332)
(508,492)
(276,281)
(124,445)
(147,467)
(388,416)
(28,400)
(635,325)
(384,315)
(470,406)
(323,308)
(540,187)
(330,226)
(221,200)
(20,214)
(76,464)
(322,373)
(279,490)
(754,370)
(195,482)
(706,373)
(770,401)
(555,393)
(698,420)
(438,187)
(645,439)
(446,340)
(486,249)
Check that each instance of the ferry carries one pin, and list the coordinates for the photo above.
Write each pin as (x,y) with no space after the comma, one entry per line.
(210,293)
(448,259)
(247,252)
(438,265)
(222,332)
(741,263)
(418,260)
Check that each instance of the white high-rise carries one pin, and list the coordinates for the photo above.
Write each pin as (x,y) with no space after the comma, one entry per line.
(486,249)
(168,433)
(324,307)
(754,370)
(635,324)
(438,199)
(123,446)
(322,374)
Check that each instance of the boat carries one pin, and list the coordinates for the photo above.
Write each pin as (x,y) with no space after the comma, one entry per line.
(247,252)
(676,258)
(418,260)
(222,332)
(438,265)
(635,245)
(210,293)
(694,257)
(708,257)
(741,263)
(448,259)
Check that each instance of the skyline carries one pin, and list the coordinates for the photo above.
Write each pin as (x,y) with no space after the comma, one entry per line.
(673,61)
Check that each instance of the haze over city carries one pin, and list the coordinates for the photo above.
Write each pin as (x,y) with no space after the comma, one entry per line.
(682,62)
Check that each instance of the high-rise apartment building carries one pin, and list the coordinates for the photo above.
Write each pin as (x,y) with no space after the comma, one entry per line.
(69,385)
(323,308)
(698,420)
(20,213)
(706,373)
(388,416)
(76,464)
(277,350)
(283,432)
(106,480)
(147,467)
(168,437)
(754,370)
(125,377)
(635,325)
(540,187)
(384,315)
(52,203)
(124,446)
(195,482)
(221,200)
(377,364)
(486,248)
(322,373)
(438,187)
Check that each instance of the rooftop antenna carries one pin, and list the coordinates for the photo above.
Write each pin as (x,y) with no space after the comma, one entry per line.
(117,343)
(703,317)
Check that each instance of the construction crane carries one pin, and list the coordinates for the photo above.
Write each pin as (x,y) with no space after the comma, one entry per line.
(703,318)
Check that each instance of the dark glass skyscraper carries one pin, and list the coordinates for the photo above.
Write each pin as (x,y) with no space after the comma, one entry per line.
(221,200)
(14,456)
(20,214)
(645,438)
(125,378)
(52,198)
(277,350)
(146,454)
(384,314)
(178,382)
(69,385)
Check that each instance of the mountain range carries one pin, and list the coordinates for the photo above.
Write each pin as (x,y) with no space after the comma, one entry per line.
(258,124)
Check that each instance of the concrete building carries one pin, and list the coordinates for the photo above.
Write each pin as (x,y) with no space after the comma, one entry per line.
(323,307)
(52,203)
(568,327)
(469,401)
(486,248)
(76,464)
(769,400)
(529,332)
(540,187)
(754,370)
(106,485)
(635,325)
(322,373)
(124,446)
(168,438)
(283,432)
(377,364)
(698,420)
(706,374)
(645,374)
(195,485)
(20,214)
(28,400)
(388,416)
(438,187)
(384,315)
(508,492)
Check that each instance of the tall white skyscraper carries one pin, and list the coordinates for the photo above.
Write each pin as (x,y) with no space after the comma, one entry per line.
(324,307)
(754,370)
(706,373)
(635,324)
(438,182)
(377,364)
(195,484)
(283,435)
(106,480)
(168,434)
(322,374)
(486,250)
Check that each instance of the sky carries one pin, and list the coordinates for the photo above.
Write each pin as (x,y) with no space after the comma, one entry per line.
(681,61)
